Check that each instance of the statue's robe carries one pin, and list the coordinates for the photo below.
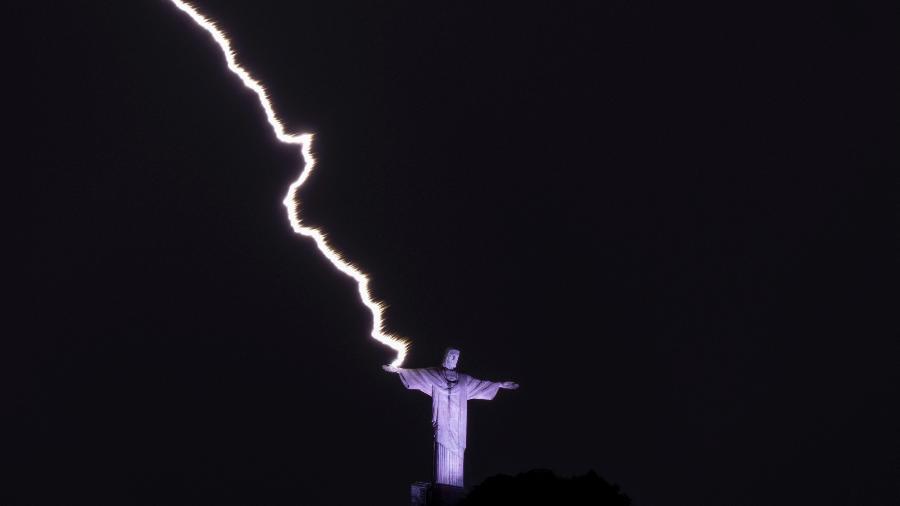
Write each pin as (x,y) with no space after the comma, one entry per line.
(449,406)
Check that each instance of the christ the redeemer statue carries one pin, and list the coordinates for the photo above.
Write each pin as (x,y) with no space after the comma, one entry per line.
(450,392)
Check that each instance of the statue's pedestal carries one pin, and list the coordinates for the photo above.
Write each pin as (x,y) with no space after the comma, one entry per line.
(425,493)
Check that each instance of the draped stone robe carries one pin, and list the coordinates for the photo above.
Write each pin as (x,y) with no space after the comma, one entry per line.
(450,392)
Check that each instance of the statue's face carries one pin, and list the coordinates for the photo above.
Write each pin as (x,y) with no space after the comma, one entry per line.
(451,358)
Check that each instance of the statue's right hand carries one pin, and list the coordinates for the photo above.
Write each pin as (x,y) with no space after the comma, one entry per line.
(390,368)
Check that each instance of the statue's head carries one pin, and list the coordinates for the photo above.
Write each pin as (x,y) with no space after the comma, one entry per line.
(451,356)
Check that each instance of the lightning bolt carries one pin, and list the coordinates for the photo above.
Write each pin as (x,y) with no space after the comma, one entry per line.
(291,202)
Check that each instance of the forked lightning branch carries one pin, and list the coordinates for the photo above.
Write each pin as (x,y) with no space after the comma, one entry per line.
(291,202)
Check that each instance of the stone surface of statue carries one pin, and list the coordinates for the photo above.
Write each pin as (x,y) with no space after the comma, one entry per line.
(450,392)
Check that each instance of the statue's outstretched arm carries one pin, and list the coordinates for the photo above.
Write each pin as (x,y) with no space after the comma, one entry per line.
(390,368)
(509,385)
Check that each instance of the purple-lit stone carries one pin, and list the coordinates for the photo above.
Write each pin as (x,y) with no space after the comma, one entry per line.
(450,392)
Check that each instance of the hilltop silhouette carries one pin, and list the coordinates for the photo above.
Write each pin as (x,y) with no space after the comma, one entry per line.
(544,487)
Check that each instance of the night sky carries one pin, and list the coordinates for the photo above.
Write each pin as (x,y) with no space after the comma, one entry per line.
(674,225)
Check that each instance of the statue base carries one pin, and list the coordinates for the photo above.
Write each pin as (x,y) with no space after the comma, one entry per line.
(424,493)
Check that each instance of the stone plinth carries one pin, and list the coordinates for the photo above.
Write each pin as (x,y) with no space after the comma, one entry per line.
(425,493)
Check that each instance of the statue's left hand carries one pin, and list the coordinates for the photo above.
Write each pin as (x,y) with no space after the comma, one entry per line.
(509,385)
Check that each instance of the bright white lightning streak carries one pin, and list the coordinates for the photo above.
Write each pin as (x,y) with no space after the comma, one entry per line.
(291,203)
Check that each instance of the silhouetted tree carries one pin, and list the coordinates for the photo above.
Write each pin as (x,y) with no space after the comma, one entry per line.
(543,487)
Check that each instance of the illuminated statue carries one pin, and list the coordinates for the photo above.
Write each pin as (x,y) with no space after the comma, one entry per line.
(450,392)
